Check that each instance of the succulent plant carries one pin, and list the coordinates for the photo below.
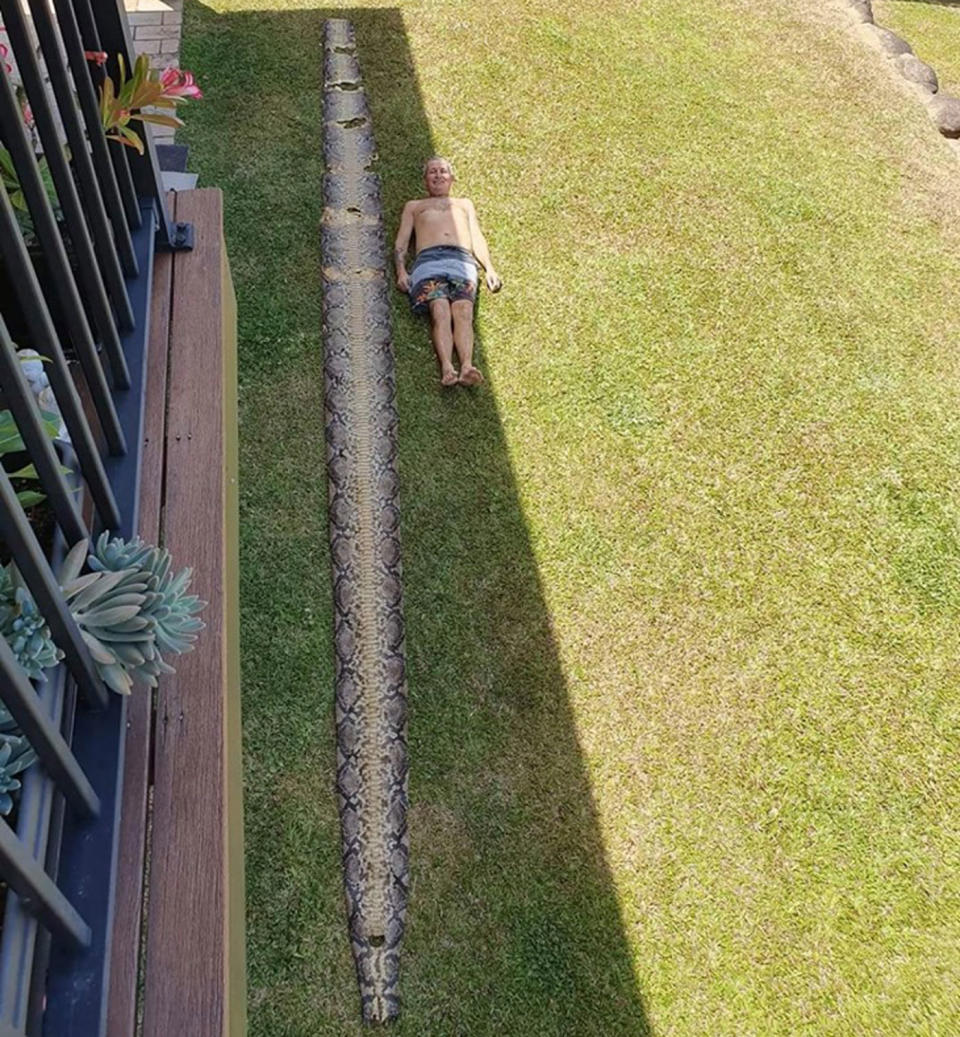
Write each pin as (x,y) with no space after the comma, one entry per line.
(15,752)
(130,608)
(7,723)
(107,608)
(170,607)
(111,554)
(24,628)
(16,755)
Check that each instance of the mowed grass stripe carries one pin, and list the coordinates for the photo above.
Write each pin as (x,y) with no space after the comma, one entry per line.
(681,584)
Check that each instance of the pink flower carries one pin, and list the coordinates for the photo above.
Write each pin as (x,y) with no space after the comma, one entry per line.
(98,57)
(4,51)
(28,119)
(177,82)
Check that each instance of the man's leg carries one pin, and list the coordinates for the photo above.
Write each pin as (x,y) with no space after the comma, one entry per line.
(462,311)
(442,338)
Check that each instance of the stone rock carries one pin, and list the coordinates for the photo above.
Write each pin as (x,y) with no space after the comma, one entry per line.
(860,10)
(945,112)
(912,68)
(889,42)
(31,364)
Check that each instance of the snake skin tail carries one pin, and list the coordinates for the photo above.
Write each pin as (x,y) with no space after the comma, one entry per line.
(360,426)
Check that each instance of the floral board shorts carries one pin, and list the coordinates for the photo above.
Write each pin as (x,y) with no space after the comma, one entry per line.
(442,272)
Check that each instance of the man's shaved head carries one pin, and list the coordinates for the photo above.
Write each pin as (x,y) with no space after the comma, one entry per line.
(439,158)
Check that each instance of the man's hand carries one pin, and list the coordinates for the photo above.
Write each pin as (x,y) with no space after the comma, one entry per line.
(403,281)
(493,281)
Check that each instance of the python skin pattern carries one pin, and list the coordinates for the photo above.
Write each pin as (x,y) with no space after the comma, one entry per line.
(361,422)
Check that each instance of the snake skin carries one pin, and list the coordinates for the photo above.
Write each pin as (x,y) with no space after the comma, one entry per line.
(361,421)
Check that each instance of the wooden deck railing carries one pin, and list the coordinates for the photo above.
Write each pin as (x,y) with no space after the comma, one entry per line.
(87,238)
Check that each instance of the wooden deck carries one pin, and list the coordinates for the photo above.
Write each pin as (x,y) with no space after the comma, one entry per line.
(178,933)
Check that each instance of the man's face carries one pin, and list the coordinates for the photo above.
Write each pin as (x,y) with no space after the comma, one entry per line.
(438,179)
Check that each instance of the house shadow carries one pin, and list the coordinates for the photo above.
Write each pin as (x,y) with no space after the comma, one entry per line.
(513,925)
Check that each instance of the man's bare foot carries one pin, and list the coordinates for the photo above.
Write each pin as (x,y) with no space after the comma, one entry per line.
(470,376)
(448,378)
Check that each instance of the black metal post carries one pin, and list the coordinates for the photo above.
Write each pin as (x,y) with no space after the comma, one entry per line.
(20,933)
(109,188)
(54,753)
(36,889)
(20,538)
(19,399)
(87,266)
(77,984)
(118,155)
(95,210)
(45,336)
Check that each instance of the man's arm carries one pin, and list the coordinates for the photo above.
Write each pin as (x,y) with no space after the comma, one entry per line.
(480,247)
(404,233)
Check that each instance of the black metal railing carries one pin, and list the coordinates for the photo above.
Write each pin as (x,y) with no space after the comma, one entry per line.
(78,231)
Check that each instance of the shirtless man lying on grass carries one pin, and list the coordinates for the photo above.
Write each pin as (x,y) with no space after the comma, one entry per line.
(443,278)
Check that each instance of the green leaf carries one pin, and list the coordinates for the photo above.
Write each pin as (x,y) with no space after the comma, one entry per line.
(107,617)
(116,677)
(51,423)
(134,625)
(10,441)
(106,101)
(141,70)
(160,120)
(48,185)
(7,169)
(90,588)
(72,564)
(131,138)
(30,472)
(113,636)
(97,650)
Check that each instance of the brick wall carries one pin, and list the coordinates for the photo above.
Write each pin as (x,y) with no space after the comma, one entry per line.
(155,25)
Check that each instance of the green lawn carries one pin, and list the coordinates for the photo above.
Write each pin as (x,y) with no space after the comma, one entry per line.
(932,28)
(682,582)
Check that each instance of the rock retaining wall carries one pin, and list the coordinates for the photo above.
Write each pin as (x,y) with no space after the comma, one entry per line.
(944,110)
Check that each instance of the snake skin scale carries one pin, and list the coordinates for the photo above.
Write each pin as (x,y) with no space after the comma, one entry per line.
(361,421)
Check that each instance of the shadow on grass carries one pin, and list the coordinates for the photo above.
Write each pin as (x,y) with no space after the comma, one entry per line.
(513,925)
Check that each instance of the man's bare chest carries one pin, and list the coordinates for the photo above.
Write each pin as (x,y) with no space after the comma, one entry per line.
(443,211)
